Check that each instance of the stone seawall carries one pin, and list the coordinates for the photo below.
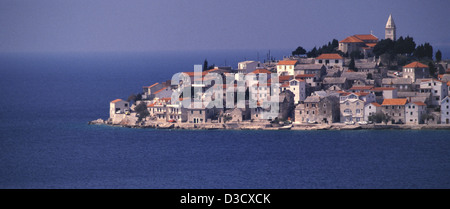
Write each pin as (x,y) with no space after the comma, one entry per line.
(263,126)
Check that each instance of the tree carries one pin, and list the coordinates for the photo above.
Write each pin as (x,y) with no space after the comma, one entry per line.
(428,50)
(299,51)
(312,53)
(351,66)
(438,55)
(384,46)
(141,109)
(379,117)
(410,45)
(205,65)
(432,69)
(132,97)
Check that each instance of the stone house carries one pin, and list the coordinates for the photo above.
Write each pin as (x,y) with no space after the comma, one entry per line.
(437,88)
(414,112)
(118,106)
(352,106)
(340,82)
(320,109)
(371,109)
(319,70)
(416,70)
(248,66)
(286,67)
(332,60)
(402,84)
(238,114)
(395,109)
(382,93)
(298,87)
(445,110)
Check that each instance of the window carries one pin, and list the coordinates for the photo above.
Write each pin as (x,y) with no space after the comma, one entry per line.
(327,61)
(200,112)
(320,61)
(126,105)
(411,113)
(435,91)
(336,61)
(313,105)
(370,107)
(313,112)
(358,111)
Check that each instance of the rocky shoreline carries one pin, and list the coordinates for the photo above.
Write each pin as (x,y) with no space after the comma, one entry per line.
(267,126)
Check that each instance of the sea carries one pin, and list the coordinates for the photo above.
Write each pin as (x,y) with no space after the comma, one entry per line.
(47,100)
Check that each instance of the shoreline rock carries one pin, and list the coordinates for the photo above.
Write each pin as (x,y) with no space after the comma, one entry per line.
(265,126)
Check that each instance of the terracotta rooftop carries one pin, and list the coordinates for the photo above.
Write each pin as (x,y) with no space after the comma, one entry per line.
(116,100)
(420,103)
(257,71)
(415,65)
(351,39)
(366,37)
(383,88)
(361,88)
(329,56)
(376,104)
(158,91)
(287,62)
(305,75)
(394,102)
(371,44)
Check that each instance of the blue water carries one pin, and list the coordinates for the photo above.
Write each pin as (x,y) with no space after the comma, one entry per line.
(45,142)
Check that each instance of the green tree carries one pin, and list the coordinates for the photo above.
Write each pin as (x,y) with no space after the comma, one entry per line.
(351,66)
(299,51)
(384,46)
(409,45)
(438,55)
(205,65)
(141,110)
(432,69)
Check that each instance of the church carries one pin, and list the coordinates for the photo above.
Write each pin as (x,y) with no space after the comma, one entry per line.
(364,43)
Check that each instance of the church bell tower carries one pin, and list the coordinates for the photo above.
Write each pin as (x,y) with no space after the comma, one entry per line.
(390,30)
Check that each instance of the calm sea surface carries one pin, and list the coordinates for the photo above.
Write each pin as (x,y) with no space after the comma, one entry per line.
(45,142)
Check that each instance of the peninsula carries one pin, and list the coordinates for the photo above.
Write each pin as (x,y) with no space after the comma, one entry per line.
(360,82)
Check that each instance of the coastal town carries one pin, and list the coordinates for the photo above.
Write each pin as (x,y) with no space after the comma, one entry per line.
(361,81)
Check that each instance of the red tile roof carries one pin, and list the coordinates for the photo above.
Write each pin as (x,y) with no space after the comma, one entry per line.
(420,103)
(329,56)
(116,100)
(305,75)
(448,83)
(415,65)
(351,39)
(376,104)
(361,88)
(285,84)
(366,37)
(383,88)
(191,74)
(257,71)
(287,62)
(371,45)
(394,102)
(158,91)
(282,79)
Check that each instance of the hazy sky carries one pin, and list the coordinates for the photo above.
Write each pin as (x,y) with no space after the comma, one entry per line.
(132,25)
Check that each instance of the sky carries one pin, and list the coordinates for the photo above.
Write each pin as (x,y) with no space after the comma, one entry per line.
(182,25)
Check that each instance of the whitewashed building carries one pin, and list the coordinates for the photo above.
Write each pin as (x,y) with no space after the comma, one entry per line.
(248,66)
(414,112)
(371,109)
(445,110)
(437,88)
(330,60)
(286,67)
(298,87)
(118,106)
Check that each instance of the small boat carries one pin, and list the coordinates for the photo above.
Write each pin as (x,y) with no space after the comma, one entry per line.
(286,127)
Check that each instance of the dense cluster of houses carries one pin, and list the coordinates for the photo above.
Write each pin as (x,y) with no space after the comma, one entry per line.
(313,90)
